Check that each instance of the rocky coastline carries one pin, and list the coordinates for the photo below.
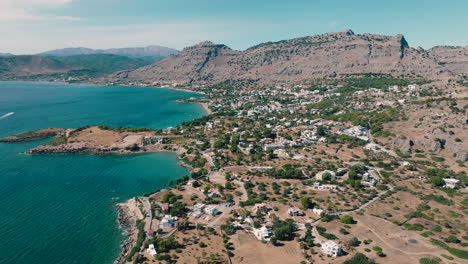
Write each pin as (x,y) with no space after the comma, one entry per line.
(127,215)
(32,136)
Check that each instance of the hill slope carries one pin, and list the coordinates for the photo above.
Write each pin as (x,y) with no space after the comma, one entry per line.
(26,65)
(92,65)
(341,53)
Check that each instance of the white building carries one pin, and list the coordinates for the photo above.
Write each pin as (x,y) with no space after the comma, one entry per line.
(168,221)
(318,186)
(356,131)
(412,87)
(263,233)
(317,211)
(451,183)
(151,250)
(331,248)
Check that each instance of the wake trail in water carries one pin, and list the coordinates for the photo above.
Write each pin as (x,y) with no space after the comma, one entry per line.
(7,115)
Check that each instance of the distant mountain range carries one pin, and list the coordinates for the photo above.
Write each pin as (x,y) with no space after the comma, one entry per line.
(5,54)
(91,65)
(337,54)
(143,52)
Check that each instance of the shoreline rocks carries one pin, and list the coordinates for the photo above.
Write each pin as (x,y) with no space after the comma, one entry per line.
(29,138)
(127,217)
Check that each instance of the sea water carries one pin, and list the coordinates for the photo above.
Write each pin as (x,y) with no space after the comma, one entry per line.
(60,208)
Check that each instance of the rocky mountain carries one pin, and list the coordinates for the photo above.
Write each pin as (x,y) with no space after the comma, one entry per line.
(150,51)
(91,65)
(5,54)
(454,59)
(337,54)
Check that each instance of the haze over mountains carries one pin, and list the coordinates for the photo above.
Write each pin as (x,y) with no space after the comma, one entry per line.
(335,54)
(80,61)
(139,52)
(89,65)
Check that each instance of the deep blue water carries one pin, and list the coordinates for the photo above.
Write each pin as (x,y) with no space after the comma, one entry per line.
(59,208)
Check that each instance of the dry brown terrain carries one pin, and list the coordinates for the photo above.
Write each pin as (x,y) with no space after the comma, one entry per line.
(332,54)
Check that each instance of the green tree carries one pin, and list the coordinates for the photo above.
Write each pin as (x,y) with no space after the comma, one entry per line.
(347,219)
(307,203)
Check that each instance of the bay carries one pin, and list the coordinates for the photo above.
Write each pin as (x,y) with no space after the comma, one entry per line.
(60,208)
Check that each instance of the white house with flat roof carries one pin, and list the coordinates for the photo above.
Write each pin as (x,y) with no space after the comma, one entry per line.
(151,250)
(263,233)
(168,221)
(451,183)
(331,248)
(317,211)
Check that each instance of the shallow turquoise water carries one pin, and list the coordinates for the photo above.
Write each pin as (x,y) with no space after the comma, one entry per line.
(59,208)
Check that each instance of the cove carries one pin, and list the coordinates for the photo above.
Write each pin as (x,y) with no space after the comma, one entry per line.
(60,208)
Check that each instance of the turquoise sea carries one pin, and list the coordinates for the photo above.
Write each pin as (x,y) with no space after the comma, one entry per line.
(59,208)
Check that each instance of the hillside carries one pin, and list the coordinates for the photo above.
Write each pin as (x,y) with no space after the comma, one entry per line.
(26,65)
(140,52)
(335,54)
(90,65)
(104,63)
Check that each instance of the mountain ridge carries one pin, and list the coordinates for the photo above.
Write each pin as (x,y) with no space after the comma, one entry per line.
(331,54)
(148,51)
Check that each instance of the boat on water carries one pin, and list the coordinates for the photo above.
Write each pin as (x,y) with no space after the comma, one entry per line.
(7,115)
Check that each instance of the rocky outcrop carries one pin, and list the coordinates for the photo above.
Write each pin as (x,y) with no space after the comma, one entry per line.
(436,141)
(403,144)
(341,53)
(454,59)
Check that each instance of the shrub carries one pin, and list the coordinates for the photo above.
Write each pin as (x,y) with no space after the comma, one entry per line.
(347,219)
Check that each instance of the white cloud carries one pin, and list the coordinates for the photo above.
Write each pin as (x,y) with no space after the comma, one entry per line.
(31,10)
(35,38)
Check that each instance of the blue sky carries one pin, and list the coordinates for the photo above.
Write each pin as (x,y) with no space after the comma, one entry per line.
(30,26)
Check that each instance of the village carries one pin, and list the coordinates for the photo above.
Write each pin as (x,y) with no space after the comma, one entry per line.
(309,173)
(297,176)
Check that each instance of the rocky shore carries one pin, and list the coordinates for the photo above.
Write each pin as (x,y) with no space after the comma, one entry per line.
(128,214)
(69,149)
(33,136)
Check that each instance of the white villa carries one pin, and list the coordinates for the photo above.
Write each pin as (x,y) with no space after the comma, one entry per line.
(317,211)
(262,233)
(168,221)
(356,131)
(331,248)
(319,186)
(451,183)
(151,250)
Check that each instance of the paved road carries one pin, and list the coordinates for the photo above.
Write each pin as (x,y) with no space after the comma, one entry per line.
(148,213)
(208,158)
